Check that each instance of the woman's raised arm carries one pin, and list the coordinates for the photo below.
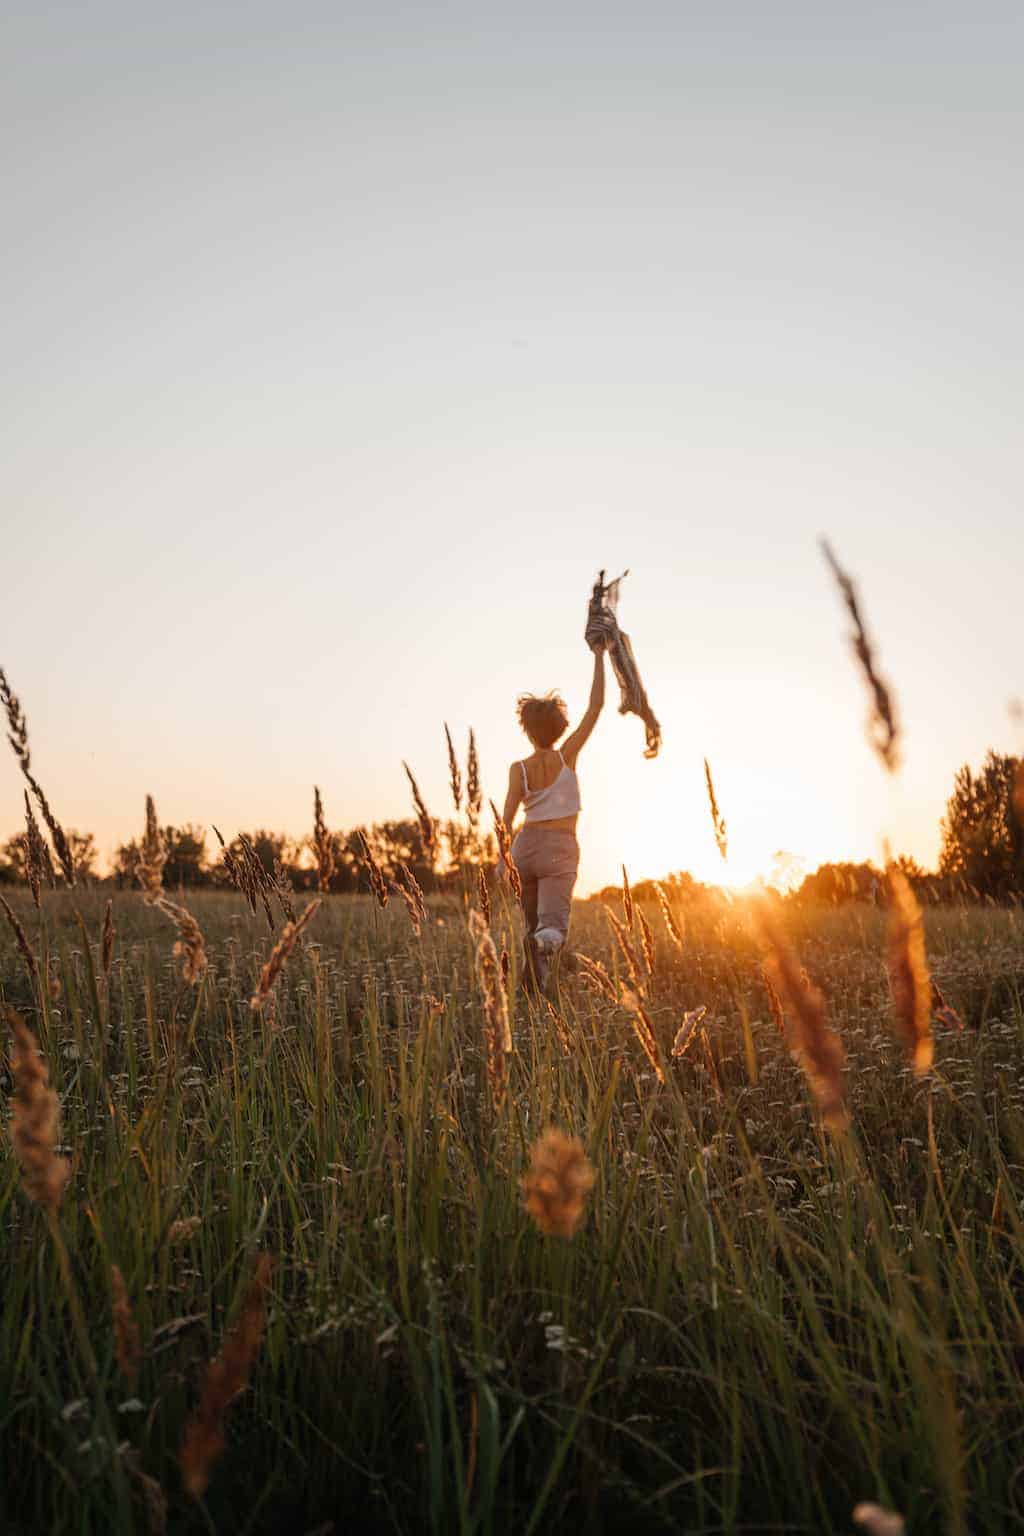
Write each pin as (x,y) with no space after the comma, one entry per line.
(574,744)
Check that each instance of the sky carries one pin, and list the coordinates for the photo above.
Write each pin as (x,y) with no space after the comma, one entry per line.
(344,344)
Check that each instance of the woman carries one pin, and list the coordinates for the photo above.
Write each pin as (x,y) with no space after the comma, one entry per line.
(545,850)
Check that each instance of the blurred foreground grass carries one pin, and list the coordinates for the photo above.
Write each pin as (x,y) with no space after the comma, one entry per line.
(755,1327)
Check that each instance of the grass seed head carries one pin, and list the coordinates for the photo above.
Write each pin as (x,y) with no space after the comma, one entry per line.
(474,792)
(38,864)
(883,727)
(17,726)
(189,946)
(21,939)
(152,857)
(279,955)
(818,1049)
(226,1377)
(35,1120)
(671,922)
(557,1184)
(717,819)
(323,845)
(427,825)
(505,849)
(878,1521)
(687,1030)
(595,978)
(454,772)
(627,901)
(378,884)
(909,982)
(107,939)
(629,954)
(127,1346)
(408,888)
(642,1028)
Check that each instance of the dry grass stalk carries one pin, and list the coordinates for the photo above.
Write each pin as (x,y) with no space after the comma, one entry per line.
(878,1521)
(675,931)
(60,843)
(234,871)
(107,939)
(428,831)
(17,726)
(629,954)
(883,727)
(774,1000)
(505,965)
(279,955)
(409,889)
(35,1120)
(21,939)
(17,735)
(259,881)
(556,1187)
(909,982)
(323,845)
(483,894)
(226,1377)
(497,1031)
(454,772)
(505,849)
(817,1048)
(687,1030)
(378,884)
(474,792)
(642,1027)
(595,978)
(561,1029)
(1018,794)
(627,901)
(38,864)
(189,947)
(152,857)
(717,819)
(646,941)
(127,1345)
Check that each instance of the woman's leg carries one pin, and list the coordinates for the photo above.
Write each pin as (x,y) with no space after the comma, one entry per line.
(522,849)
(556,879)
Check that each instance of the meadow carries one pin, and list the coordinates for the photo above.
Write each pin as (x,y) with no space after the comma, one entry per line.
(757,1325)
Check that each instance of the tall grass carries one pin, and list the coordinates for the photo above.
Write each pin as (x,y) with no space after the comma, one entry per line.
(756,1326)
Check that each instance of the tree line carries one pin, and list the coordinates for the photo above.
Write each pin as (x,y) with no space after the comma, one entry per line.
(195,860)
(981,854)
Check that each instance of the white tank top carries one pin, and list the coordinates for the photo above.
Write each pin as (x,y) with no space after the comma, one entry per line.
(562,798)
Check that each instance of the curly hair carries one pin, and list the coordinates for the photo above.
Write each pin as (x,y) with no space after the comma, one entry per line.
(543,719)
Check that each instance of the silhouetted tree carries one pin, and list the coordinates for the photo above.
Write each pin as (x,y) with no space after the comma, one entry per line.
(186,856)
(125,863)
(83,853)
(12,860)
(982,836)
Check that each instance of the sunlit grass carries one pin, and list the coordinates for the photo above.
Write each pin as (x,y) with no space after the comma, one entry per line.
(755,1325)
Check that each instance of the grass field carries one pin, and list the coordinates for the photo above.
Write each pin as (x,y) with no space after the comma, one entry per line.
(755,1327)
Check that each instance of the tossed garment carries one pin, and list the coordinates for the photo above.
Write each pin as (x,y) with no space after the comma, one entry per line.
(602,623)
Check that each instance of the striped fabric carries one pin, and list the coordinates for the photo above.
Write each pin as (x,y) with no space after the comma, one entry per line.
(603,624)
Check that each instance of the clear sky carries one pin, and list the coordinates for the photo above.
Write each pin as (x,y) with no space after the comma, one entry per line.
(342,344)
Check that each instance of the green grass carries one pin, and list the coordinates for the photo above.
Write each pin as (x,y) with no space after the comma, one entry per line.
(755,1327)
